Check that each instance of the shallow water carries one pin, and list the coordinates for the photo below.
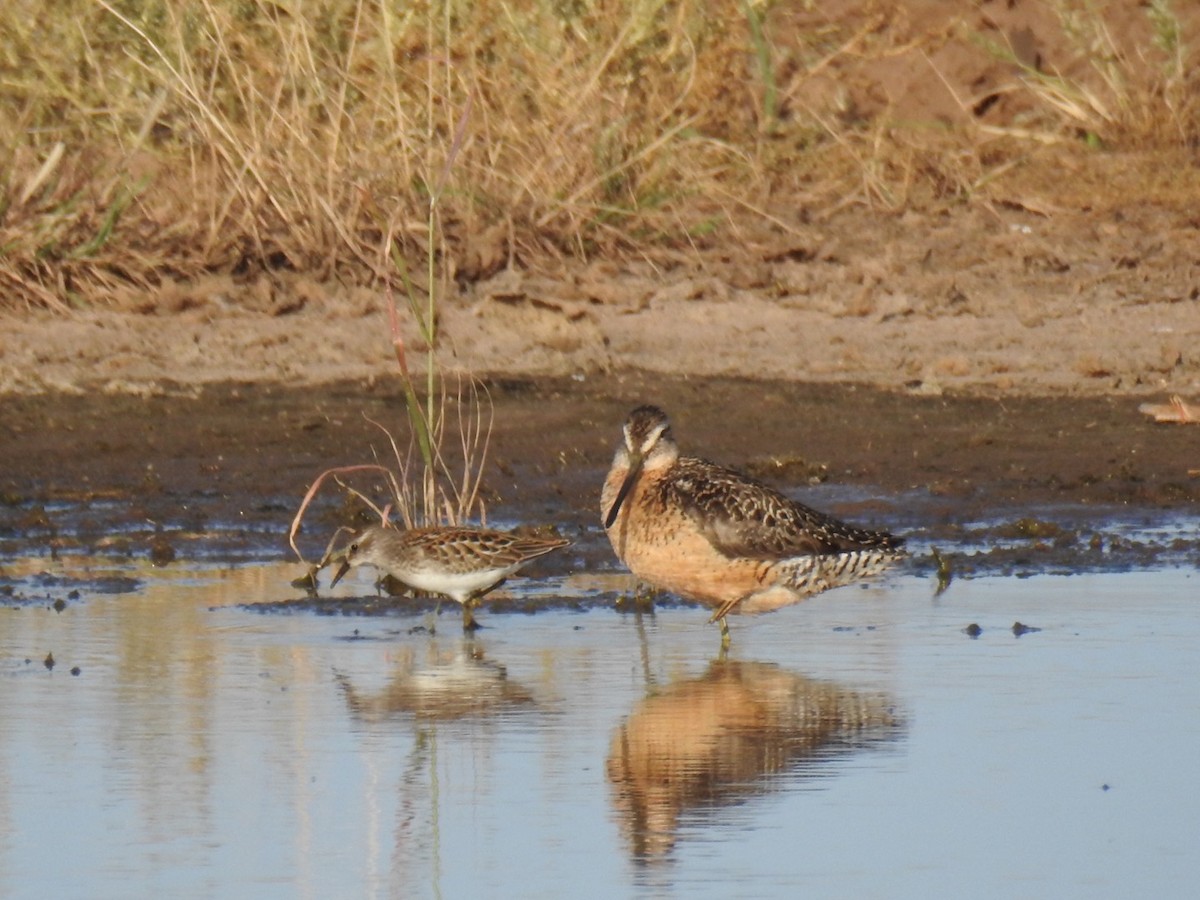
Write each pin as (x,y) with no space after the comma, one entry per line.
(860,744)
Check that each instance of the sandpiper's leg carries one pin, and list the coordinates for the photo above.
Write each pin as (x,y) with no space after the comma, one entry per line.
(432,616)
(724,634)
(469,623)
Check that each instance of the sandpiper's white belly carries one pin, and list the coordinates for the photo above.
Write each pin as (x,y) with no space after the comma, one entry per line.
(457,585)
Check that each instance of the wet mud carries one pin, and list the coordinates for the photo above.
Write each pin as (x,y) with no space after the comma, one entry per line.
(998,485)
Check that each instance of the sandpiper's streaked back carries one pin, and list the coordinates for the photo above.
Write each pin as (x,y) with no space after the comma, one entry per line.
(459,562)
(715,536)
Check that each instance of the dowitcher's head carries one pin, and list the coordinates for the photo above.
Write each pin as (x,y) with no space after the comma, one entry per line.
(648,445)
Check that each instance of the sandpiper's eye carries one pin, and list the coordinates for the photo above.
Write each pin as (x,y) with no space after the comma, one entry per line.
(354,547)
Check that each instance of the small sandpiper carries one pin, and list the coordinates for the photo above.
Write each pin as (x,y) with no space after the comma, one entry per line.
(715,536)
(459,562)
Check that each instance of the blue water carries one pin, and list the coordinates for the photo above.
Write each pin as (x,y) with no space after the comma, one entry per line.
(858,745)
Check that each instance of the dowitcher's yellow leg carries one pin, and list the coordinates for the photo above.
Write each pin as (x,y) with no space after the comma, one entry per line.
(724,634)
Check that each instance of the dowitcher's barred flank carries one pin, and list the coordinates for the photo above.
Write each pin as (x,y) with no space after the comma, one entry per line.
(710,534)
(461,563)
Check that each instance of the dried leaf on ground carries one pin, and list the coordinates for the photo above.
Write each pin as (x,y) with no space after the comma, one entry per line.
(1173,411)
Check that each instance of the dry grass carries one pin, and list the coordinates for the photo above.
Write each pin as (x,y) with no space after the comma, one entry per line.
(156,140)
(1122,89)
(430,481)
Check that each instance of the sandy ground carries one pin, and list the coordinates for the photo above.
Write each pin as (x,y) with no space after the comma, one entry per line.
(1000,300)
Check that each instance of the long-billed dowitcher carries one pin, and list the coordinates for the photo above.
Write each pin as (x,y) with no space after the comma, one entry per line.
(712,535)
(458,562)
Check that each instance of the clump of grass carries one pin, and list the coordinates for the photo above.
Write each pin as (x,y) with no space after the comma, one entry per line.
(426,487)
(1131,89)
(429,481)
(251,135)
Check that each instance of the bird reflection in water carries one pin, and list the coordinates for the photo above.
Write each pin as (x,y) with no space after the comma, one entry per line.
(713,741)
(466,685)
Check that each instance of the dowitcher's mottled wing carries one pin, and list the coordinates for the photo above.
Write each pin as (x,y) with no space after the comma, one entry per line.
(741,517)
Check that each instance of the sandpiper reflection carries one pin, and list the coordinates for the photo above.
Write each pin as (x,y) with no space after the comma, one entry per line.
(705,743)
(463,684)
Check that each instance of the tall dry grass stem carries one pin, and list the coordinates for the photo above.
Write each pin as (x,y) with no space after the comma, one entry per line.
(435,489)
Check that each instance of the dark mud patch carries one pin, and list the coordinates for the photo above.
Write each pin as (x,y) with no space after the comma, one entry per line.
(421,609)
(1083,540)
(74,588)
(58,592)
(1014,485)
(450,612)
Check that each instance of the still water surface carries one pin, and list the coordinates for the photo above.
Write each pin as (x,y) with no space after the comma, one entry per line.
(859,745)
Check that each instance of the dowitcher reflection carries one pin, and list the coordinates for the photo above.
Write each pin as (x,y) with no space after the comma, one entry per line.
(713,535)
(458,562)
(706,743)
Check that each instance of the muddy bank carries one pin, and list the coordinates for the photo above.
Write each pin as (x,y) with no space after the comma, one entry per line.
(1091,300)
(1010,484)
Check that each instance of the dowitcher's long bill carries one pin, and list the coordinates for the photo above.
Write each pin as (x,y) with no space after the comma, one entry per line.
(460,563)
(712,535)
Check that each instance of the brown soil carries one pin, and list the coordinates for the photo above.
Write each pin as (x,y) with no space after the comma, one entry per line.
(1001,301)
(1006,483)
